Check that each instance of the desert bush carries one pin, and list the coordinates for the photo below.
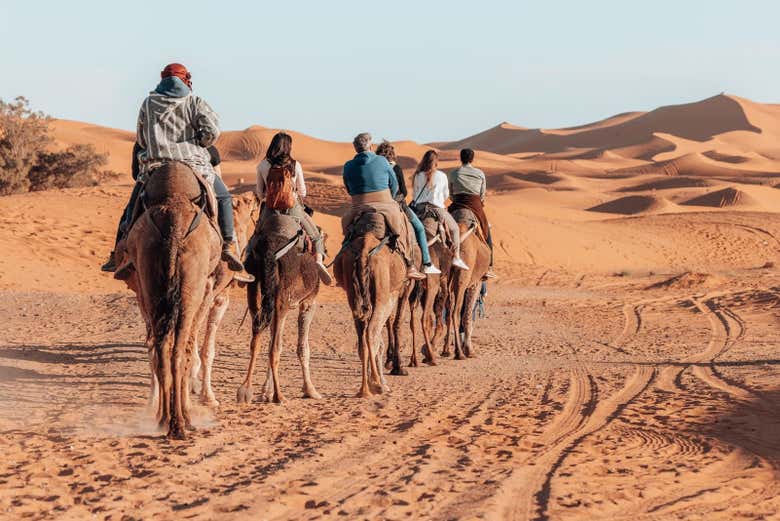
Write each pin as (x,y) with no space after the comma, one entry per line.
(78,165)
(27,164)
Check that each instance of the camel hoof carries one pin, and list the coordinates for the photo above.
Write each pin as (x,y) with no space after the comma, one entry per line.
(244,395)
(210,401)
(400,371)
(377,388)
(312,394)
(279,398)
(459,356)
(445,354)
(429,362)
(414,363)
(177,433)
(364,393)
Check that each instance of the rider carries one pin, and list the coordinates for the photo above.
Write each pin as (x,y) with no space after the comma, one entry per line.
(278,155)
(176,125)
(371,182)
(430,186)
(468,188)
(387,150)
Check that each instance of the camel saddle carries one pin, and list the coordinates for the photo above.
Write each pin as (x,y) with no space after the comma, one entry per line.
(279,224)
(175,177)
(434,228)
(469,218)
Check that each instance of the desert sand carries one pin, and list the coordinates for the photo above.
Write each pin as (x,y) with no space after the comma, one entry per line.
(626,368)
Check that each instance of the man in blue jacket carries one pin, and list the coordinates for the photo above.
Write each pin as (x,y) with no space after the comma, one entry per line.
(371,182)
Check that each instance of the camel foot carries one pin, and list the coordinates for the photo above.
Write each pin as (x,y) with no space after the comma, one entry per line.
(177,432)
(429,361)
(413,363)
(311,393)
(279,398)
(244,394)
(459,356)
(196,386)
(388,365)
(210,401)
(364,392)
(445,354)
(399,371)
(378,388)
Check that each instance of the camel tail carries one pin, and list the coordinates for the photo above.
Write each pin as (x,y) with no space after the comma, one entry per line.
(361,282)
(166,313)
(268,273)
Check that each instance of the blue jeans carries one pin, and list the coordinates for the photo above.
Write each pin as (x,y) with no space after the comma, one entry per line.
(224,210)
(419,232)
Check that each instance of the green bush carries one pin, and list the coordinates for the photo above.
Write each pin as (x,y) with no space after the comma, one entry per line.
(25,162)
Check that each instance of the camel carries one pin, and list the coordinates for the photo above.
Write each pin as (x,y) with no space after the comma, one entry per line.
(170,256)
(465,284)
(245,214)
(432,295)
(374,278)
(287,282)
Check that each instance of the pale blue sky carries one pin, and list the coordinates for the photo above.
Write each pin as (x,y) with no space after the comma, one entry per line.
(423,70)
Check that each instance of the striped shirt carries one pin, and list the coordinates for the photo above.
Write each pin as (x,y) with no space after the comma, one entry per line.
(176,129)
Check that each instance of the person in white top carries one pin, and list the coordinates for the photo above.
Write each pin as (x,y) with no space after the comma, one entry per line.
(431,186)
(278,154)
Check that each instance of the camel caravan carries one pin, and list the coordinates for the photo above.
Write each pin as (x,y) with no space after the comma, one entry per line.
(184,241)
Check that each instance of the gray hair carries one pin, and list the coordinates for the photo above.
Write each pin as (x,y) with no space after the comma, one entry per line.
(362,142)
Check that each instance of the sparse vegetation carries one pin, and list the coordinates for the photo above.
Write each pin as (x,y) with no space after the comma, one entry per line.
(27,163)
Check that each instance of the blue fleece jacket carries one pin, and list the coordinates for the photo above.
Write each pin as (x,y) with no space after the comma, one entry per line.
(367,173)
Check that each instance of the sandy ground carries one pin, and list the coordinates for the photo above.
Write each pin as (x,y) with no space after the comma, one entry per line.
(627,367)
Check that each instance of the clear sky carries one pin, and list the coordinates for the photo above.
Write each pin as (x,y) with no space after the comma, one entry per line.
(422,70)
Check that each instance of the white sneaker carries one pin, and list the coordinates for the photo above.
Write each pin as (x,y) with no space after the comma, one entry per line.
(431,270)
(458,263)
(325,276)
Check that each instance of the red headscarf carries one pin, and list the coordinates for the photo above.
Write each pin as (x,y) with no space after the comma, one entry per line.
(178,70)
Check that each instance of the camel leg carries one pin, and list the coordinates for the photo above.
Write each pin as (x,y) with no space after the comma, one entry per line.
(374,343)
(275,350)
(442,324)
(467,322)
(454,313)
(390,341)
(360,328)
(413,358)
(209,349)
(154,390)
(305,316)
(179,364)
(244,393)
(395,346)
(428,325)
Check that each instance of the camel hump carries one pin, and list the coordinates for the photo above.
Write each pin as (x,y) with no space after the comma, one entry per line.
(173,178)
(370,223)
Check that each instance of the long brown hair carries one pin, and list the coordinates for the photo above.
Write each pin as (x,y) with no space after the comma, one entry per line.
(278,153)
(386,150)
(427,165)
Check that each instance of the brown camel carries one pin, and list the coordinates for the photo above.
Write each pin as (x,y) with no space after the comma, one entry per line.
(432,294)
(374,277)
(245,214)
(465,284)
(170,255)
(291,281)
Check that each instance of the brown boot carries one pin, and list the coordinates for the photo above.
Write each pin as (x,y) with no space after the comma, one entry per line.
(233,262)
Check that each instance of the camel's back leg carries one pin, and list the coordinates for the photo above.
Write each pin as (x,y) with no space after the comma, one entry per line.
(244,393)
(305,316)
(275,349)
(467,320)
(398,316)
(209,349)
(363,352)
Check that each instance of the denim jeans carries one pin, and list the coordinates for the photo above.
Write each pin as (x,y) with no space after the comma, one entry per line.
(419,232)
(225,210)
(127,214)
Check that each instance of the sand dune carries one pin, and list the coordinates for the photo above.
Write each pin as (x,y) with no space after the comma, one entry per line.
(633,205)
(625,368)
(722,198)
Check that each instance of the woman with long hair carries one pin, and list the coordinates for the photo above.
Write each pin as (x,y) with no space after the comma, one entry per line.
(278,155)
(386,150)
(431,187)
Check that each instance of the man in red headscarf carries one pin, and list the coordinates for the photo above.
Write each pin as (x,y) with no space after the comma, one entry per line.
(176,125)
